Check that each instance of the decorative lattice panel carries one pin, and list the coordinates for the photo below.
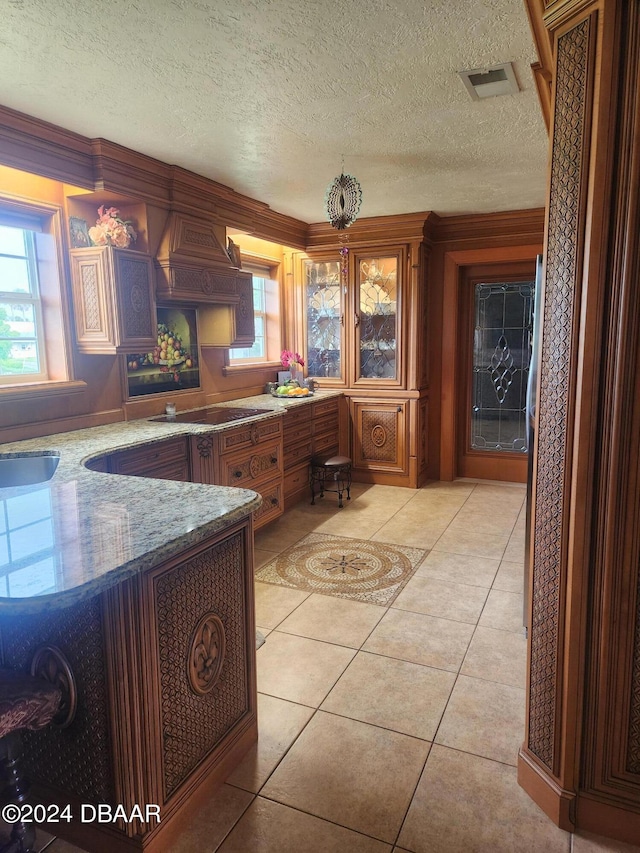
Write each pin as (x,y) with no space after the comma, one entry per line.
(193,723)
(379,436)
(565,224)
(76,759)
(90,298)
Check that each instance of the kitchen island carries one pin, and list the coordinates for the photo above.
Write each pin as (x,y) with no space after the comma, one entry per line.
(136,596)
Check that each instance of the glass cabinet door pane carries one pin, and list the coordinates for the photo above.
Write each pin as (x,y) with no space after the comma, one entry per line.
(378,285)
(324,328)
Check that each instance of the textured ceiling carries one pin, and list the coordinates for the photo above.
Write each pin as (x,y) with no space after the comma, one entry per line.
(266,96)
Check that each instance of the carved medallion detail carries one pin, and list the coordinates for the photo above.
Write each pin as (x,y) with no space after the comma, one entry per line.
(379,436)
(205,446)
(206,654)
(207,281)
(255,466)
(50,664)
(562,278)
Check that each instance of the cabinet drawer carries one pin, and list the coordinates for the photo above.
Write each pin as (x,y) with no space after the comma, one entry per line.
(242,469)
(326,407)
(294,435)
(250,435)
(326,444)
(272,503)
(297,454)
(327,423)
(297,416)
(296,480)
(153,460)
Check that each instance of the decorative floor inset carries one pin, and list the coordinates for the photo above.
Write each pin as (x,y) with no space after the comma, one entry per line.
(347,568)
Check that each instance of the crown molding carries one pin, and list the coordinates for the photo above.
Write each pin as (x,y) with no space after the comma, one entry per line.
(404,227)
(36,146)
(518,224)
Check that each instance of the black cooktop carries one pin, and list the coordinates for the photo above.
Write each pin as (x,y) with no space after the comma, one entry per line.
(212,415)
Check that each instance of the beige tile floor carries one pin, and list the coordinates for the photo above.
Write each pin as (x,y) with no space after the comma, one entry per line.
(392,729)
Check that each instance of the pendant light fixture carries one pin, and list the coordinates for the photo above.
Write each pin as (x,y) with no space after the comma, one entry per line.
(343,200)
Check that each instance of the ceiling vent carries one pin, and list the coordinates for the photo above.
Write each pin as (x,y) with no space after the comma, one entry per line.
(489,82)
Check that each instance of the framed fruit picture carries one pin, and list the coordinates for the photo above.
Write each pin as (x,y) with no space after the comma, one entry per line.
(172,365)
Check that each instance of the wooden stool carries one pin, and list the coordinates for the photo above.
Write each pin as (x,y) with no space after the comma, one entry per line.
(25,703)
(332,468)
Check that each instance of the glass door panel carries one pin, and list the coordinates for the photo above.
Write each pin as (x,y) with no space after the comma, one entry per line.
(377,318)
(501,356)
(324,319)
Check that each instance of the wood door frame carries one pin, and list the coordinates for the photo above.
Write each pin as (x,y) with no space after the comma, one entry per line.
(451,353)
(483,464)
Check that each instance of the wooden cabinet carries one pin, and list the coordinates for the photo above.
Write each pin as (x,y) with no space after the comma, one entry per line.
(353,335)
(249,456)
(362,329)
(163,460)
(310,430)
(380,437)
(140,694)
(114,302)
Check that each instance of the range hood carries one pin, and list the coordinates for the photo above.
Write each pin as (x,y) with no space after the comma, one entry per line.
(194,269)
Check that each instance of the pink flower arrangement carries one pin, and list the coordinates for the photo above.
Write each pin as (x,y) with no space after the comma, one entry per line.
(111,230)
(291,359)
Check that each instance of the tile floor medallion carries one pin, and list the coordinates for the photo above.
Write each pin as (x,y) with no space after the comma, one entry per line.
(362,570)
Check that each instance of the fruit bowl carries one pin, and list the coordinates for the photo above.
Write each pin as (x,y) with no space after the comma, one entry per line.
(291,396)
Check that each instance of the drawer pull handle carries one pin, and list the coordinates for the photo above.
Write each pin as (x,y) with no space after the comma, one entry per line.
(274,501)
(274,460)
(237,474)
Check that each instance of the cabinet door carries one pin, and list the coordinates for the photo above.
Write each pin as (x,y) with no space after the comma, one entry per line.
(324,321)
(378,320)
(113,295)
(379,440)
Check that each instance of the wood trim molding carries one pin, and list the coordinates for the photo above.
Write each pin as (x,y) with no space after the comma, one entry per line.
(382,230)
(453,260)
(542,70)
(36,146)
(494,228)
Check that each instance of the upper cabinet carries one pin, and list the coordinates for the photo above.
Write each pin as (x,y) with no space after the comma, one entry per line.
(378,318)
(354,328)
(113,295)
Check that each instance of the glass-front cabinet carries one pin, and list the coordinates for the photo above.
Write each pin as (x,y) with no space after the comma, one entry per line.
(353,328)
(376,319)
(324,319)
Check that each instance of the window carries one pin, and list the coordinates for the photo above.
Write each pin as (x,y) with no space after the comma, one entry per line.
(257,352)
(266,311)
(35,356)
(22,352)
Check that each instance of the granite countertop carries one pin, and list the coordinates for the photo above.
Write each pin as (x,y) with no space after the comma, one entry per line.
(82,531)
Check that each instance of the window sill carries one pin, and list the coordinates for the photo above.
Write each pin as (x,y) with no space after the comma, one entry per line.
(30,390)
(232,369)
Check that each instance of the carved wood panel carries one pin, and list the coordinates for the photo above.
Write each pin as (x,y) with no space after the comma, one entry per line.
(566,222)
(77,758)
(137,308)
(209,585)
(379,435)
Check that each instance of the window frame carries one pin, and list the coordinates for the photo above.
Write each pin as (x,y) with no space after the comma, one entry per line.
(270,269)
(53,278)
(32,297)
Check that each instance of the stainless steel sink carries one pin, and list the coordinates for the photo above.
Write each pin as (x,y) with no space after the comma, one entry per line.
(27,469)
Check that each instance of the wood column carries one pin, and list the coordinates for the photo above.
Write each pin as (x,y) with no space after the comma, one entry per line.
(581,757)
